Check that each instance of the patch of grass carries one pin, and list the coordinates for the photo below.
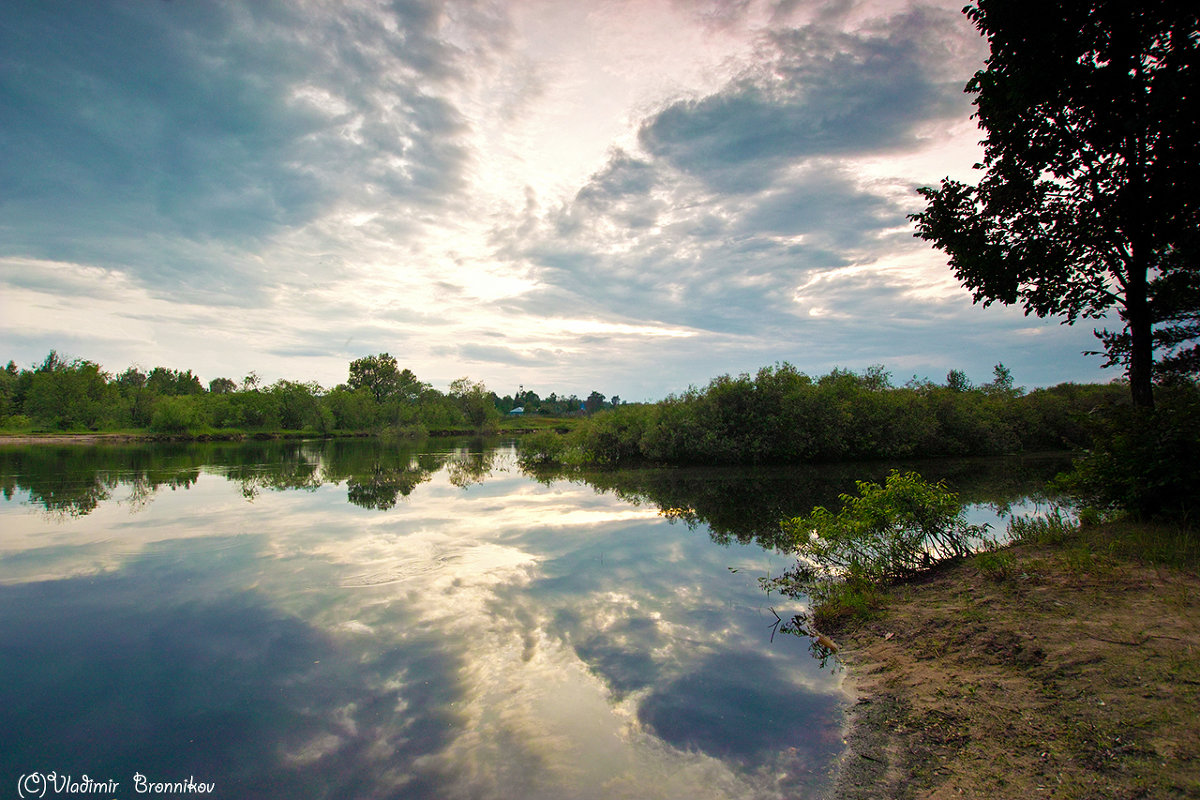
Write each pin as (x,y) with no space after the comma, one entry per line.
(1051,529)
(1080,560)
(999,565)
(539,423)
(1165,544)
(837,605)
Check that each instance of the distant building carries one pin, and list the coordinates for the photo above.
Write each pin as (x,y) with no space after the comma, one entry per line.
(518,411)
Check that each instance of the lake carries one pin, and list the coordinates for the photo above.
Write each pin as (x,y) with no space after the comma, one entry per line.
(364,619)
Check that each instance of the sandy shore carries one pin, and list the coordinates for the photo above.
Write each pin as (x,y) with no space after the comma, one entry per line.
(1074,674)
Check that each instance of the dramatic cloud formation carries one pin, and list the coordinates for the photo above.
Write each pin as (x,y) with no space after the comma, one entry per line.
(625,196)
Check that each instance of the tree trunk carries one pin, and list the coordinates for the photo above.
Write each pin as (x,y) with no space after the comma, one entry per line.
(1137,317)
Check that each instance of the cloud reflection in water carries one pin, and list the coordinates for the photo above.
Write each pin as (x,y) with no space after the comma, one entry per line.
(503,639)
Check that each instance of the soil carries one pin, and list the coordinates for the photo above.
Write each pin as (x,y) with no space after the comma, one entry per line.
(1068,673)
(72,438)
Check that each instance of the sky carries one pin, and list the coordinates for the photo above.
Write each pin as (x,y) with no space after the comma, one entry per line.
(630,197)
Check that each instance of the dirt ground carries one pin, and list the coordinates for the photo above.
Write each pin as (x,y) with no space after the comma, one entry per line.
(1069,673)
(71,438)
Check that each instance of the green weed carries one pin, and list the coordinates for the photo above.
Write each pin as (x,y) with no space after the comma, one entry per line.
(999,565)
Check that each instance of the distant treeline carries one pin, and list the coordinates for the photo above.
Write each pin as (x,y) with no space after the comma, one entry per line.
(781,415)
(78,395)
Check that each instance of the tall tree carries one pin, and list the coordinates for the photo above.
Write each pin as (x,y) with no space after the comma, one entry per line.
(380,374)
(1088,201)
(594,402)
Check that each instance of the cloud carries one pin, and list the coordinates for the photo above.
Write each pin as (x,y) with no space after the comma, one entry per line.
(817,93)
(735,197)
(166,138)
(742,708)
(497,354)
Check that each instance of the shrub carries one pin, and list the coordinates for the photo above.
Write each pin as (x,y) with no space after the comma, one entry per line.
(541,449)
(884,533)
(174,415)
(1143,463)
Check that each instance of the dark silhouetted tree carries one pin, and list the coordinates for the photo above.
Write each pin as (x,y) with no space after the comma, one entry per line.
(1088,202)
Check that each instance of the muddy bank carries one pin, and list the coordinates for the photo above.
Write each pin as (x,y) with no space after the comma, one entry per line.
(1065,672)
(75,438)
(125,438)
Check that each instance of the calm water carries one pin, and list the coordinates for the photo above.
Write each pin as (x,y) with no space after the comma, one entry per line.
(362,620)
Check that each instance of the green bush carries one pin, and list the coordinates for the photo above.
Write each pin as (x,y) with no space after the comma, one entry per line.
(541,449)
(886,532)
(883,534)
(1146,463)
(17,422)
(174,415)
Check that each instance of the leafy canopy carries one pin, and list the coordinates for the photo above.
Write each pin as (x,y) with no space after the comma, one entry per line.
(1088,202)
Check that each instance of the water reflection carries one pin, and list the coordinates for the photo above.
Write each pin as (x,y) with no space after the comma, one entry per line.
(743,504)
(746,504)
(365,619)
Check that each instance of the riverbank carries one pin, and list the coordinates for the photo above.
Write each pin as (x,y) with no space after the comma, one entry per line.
(1058,670)
(562,425)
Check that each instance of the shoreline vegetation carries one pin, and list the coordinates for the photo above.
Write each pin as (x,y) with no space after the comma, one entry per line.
(77,397)
(556,424)
(779,415)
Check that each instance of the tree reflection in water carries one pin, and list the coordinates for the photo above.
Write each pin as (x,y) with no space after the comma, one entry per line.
(74,480)
(740,504)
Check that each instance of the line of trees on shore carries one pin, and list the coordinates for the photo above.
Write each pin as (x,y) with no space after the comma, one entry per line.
(78,395)
(781,415)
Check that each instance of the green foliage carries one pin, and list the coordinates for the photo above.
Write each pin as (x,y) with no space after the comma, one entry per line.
(781,415)
(381,375)
(175,415)
(834,605)
(352,409)
(886,532)
(998,565)
(594,402)
(298,404)
(956,381)
(541,449)
(9,378)
(883,534)
(164,381)
(1052,529)
(614,437)
(222,386)
(476,403)
(71,395)
(17,423)
(778,415)
(1091,158)
(1144,462)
